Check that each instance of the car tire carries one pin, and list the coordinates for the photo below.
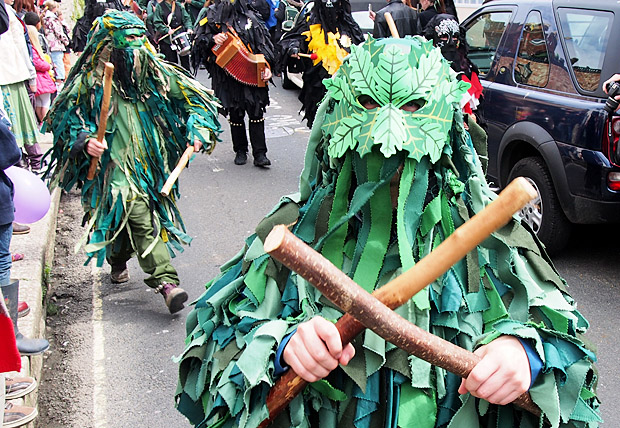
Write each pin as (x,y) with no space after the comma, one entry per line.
(286,82)
(544,214)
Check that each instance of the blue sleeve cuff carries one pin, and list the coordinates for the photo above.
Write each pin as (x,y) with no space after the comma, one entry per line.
(279,366)
(536,363)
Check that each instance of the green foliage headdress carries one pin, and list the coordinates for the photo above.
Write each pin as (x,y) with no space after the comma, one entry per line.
(393,73)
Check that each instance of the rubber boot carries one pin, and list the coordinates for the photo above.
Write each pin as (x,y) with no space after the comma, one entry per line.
(259,146)
(240,141)
(25,346)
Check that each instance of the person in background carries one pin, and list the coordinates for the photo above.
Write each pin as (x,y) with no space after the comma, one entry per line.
(23,6)
(405,18)
(329,32)
(193,7)
(150,28)
(171,20)
(10,154)
(11,387)
(93,9)
(66,57)
(237,98)
(57,39)
(45,84)
(17,71)
(159,111)
(443,29)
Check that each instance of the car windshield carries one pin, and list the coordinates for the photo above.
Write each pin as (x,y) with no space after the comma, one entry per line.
(586,34)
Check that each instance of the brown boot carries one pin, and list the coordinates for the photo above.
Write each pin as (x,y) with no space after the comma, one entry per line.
(119,273)
(174,295)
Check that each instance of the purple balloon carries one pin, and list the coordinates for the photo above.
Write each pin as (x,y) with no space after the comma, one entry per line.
(32,199)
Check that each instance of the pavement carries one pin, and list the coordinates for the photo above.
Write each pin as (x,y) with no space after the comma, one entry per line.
(38,249)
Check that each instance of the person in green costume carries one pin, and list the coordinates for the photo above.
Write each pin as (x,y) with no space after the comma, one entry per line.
(156,110)
(390,172)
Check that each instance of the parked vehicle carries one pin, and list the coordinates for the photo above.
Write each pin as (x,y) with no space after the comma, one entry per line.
(542,65)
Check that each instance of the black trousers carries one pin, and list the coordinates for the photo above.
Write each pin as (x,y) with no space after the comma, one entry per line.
(172,56)
(239,135)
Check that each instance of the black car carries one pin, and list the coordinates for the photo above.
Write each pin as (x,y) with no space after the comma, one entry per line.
(542,65)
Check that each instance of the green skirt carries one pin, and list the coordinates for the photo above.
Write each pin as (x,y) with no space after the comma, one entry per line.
(21,113)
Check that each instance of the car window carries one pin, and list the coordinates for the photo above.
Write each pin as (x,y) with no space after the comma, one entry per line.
(532,65)
(483,36)
(586,35)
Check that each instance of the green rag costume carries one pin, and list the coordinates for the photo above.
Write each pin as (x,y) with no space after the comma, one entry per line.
(155,110)
(344,209)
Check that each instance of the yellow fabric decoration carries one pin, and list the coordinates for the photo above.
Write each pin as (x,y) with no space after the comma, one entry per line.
(331,54)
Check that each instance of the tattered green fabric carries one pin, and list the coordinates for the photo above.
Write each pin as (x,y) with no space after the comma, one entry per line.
(155,110)
(375,213)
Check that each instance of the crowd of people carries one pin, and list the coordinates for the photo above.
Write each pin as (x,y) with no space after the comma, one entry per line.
(392,169)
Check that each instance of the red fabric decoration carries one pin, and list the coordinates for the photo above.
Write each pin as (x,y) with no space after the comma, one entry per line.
(10,360)
(475,91)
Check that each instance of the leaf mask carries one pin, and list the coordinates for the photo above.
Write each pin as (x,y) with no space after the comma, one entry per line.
(393,73)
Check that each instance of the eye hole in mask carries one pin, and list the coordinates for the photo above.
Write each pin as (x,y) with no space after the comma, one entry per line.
(413,105)
(367,102)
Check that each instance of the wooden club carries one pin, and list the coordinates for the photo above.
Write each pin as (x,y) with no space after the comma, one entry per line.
(286,248)
(103,116)
(373,314)
(174,175)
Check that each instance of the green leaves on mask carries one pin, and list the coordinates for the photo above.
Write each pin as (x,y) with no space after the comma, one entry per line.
(392,73)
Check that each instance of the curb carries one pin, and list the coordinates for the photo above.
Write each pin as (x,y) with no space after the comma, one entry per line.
(38,248)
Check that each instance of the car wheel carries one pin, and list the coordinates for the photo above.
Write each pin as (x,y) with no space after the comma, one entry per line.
(286,82)
(544,214)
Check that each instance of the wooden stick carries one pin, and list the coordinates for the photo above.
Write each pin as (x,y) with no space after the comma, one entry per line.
(172,178)
(312,56)
(169,34)
(293,253)
(391,24)
(103,115)
(373,314)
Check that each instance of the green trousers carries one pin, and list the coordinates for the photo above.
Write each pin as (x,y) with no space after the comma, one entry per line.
(137,236)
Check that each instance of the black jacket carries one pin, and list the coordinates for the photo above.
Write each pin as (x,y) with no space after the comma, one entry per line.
(405,18)
(4,19)
(9,156)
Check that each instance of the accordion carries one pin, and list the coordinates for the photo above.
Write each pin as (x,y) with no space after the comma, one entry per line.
(237,61)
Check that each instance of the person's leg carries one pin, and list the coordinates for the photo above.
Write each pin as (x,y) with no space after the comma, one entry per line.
(169,54)
(118,254)
(257,139)
(35,155)
(238,135)
(42,105)
(163,277)
(6,232)
(185,62)
(59,66)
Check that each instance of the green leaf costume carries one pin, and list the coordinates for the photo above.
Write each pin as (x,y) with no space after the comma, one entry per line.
(345,210)
(156,108)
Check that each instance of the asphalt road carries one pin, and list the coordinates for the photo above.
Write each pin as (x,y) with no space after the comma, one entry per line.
(134,338)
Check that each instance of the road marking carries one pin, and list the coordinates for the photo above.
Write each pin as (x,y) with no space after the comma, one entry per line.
(99,378)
